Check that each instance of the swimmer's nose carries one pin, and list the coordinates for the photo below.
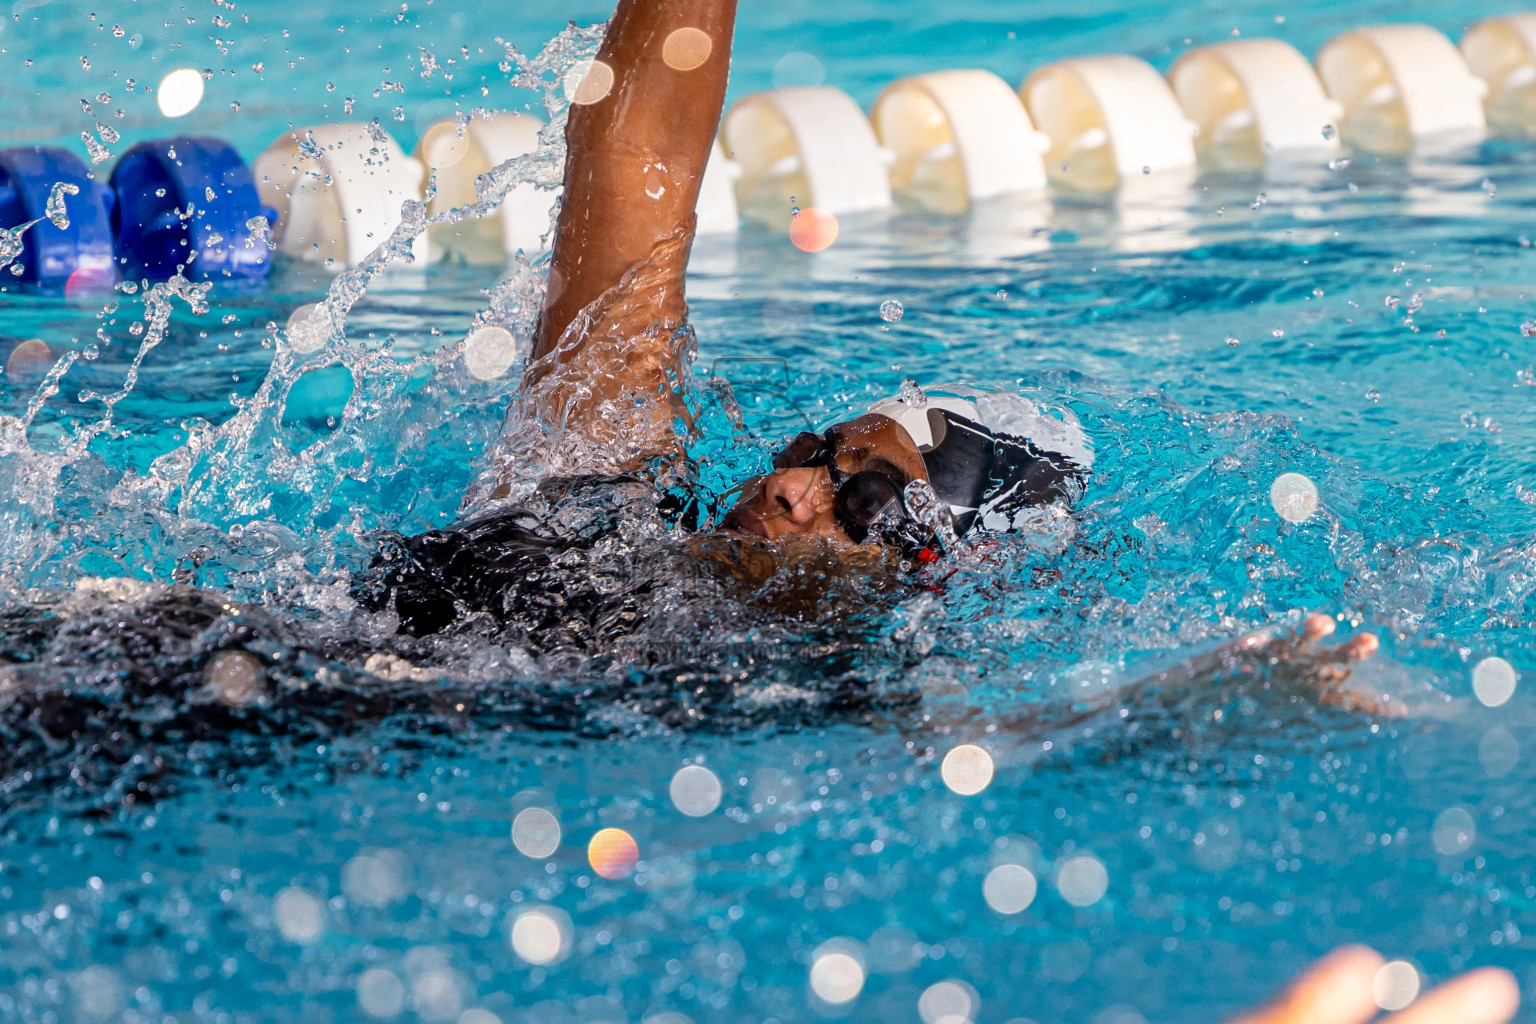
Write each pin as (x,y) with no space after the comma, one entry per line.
(790,495)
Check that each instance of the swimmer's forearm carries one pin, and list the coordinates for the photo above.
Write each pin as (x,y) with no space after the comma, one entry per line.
(637,155)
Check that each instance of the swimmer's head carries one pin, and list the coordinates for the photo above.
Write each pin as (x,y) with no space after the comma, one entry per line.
(844,486)
(915,476)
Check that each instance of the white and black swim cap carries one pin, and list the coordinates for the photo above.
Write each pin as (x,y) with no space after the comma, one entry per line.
(992,455)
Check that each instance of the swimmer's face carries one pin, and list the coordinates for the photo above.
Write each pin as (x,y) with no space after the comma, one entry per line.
(799,502)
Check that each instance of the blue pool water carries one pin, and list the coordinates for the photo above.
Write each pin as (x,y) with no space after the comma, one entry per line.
(315,859)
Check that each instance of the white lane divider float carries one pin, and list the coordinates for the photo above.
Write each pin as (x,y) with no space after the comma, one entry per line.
(1111,120)
(957,137)
(337,189)
(459,156)
(1502,54)
(804,147)
(1252,99)
(1402,86)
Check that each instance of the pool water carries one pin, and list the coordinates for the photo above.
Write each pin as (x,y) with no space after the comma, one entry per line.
(351,858)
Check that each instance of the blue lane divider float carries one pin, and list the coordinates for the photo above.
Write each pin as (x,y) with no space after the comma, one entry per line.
(76,246)
(189,205)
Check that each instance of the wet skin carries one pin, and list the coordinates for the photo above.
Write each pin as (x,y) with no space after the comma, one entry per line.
(798,503)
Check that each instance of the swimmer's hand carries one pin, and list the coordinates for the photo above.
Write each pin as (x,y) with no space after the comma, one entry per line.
(1297,657)
(1292,661)
(1338,989)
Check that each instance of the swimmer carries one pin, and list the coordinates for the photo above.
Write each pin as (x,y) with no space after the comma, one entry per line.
(605,386)
(904,484)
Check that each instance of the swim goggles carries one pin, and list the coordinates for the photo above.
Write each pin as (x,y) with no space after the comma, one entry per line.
(869,502)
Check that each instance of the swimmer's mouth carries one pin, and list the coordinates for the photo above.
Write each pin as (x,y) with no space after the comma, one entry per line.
(744,525)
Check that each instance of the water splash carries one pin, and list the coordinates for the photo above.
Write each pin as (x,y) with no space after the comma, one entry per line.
(55,208)
(255,470)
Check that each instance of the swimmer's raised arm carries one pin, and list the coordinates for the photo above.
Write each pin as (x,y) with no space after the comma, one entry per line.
(637,155)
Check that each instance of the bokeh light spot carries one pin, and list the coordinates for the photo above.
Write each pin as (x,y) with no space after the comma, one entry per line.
(687,48)
(1498,752)
(28,362)
(300,917)
(489,351)
(437,996)
(536,833)
(695,790)
(837,972)
(967,769)
(1493,680)
(380,993)
(1082,881)
(1396,985)
(1294,496)
(798,69)
(541,935)
(813,230)
(1454,831)
(948,1002)
(98,993)
(613,853)
(84,282)
(588,82)
(234,677)
(374,878)
(306,331)
(478,1016)
(180,92)
(1009,888)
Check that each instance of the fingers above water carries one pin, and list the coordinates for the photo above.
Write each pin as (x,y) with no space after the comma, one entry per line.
(1335,990)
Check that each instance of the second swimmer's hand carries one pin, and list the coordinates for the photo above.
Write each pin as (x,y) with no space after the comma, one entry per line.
(1339,989)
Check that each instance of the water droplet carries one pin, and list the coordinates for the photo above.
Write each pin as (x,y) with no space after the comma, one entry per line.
(1528,329)
(1146,169)
(1338,163)
(1259,200)
(891,311)
(1329,132)
(55,206)
(1233,341)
